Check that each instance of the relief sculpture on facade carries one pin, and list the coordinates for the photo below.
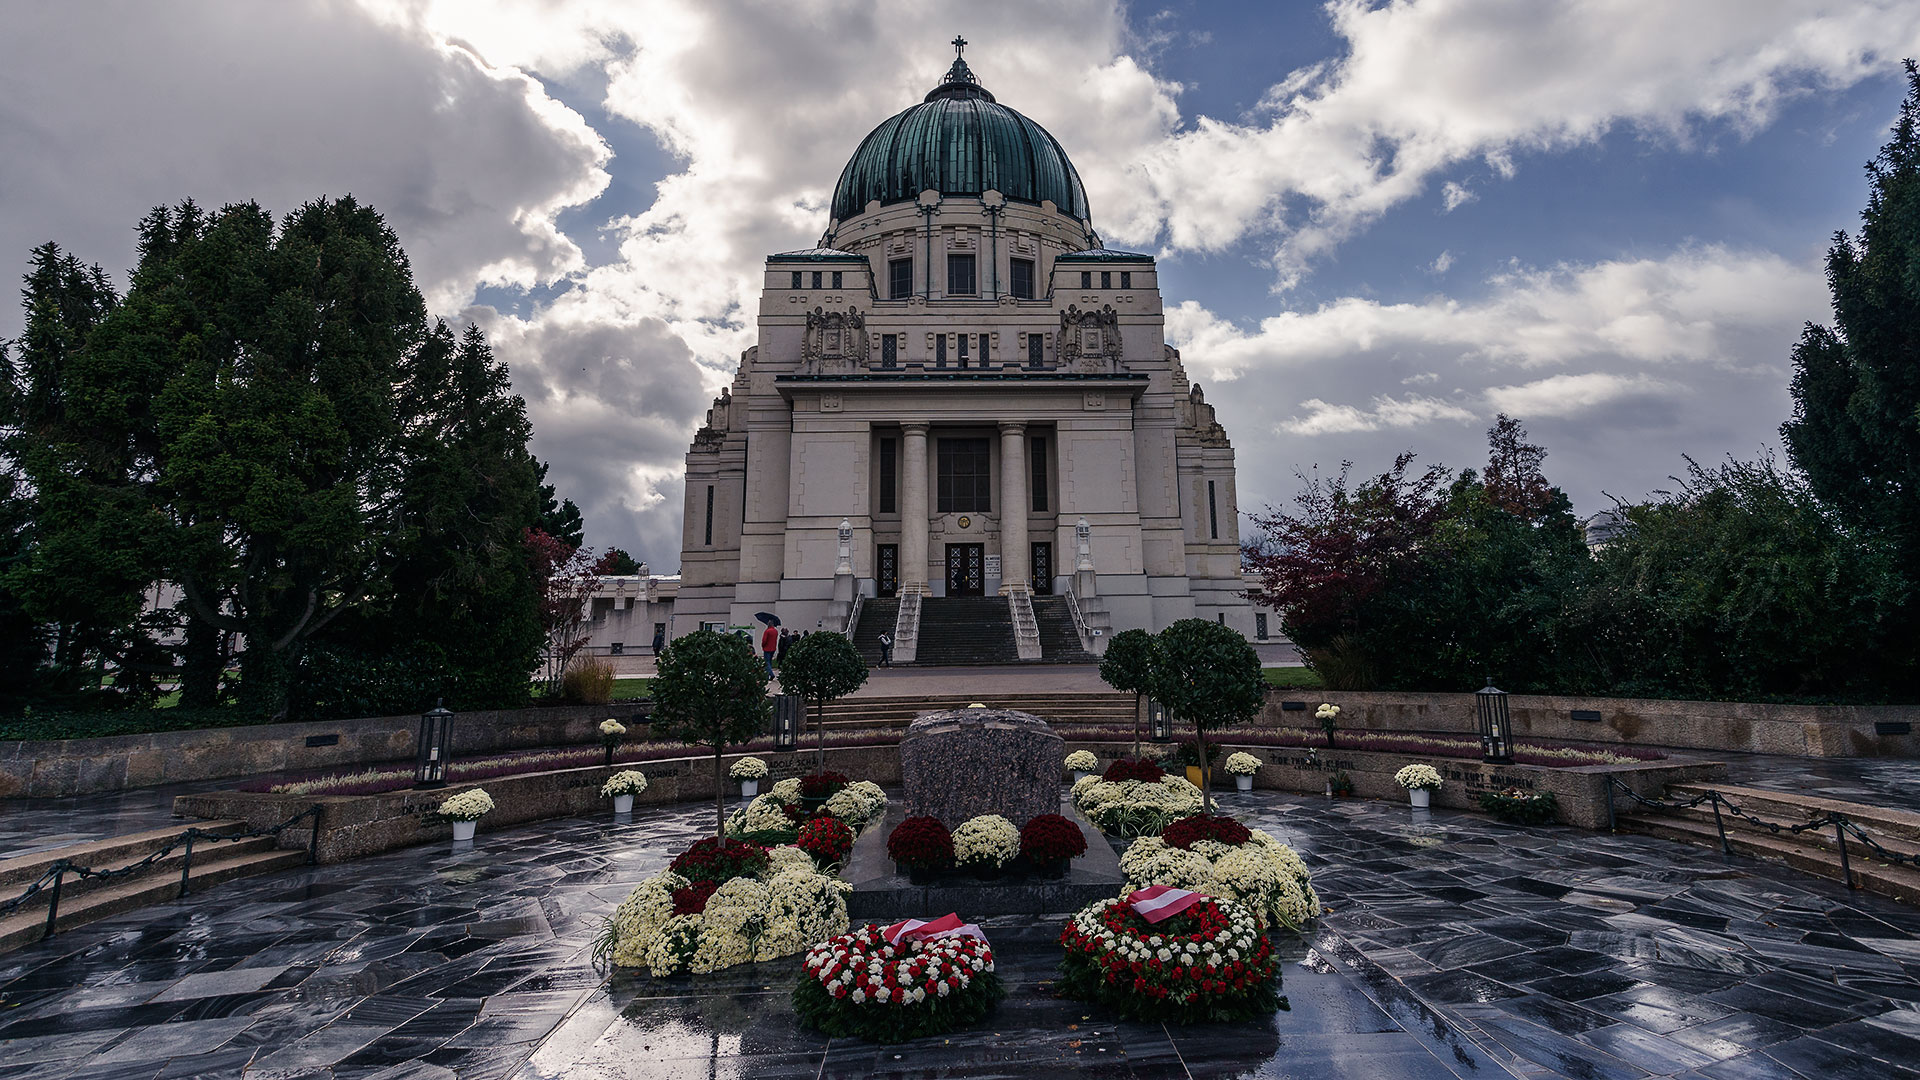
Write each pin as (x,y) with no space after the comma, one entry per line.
(1090,340)
(835,342)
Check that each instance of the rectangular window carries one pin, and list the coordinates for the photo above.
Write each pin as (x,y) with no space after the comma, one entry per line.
(1022,279)
(1037,449)
(963,349)
(984,338)
(900,279)
(1260,625)
(1036,351)
(960,276)
(1213,513)
(836,279)
(940,350)
(888,479)
(1126,279)
(1106,279)
(889,351)
(1086,279)
(617,648)
(816,279)
(797,280)
(965,483)
(709,539)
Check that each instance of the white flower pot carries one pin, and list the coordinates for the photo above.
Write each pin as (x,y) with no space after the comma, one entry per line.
(623,804)
(1079,775)
(1243,783)
(463,830)
(1421,797)
(749,788)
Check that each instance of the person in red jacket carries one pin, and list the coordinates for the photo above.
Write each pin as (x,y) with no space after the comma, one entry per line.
(770,644)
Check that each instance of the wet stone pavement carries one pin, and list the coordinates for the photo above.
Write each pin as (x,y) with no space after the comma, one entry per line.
(1454,947)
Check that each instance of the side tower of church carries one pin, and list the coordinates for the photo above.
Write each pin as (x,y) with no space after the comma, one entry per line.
(963,374)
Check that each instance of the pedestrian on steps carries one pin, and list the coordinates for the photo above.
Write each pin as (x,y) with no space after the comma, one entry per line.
(770,645)
(886,650)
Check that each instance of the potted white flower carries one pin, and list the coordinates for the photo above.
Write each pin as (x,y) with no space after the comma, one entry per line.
(985,844)
(1243,765)
(611,732)
(1082,762)
(465,811)
(749,771)
(1421,781)
(621,787)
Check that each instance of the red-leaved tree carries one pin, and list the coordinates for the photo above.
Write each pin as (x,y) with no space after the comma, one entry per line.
(567,577)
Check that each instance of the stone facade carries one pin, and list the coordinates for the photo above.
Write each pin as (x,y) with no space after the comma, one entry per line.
(963,378)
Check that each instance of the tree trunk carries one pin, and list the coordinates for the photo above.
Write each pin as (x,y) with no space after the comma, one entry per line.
(820,735)
(719,795)
(1206,782)
(201,665)
(266,677)
(1138,700)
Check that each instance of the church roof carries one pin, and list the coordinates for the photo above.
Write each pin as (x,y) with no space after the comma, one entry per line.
(959,141)
(817,254)
(1103,255)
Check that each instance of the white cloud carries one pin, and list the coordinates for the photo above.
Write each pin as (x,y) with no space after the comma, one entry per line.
(1454,195)
(1565,395)
(1327,419)
(1428,84)
(1441,264)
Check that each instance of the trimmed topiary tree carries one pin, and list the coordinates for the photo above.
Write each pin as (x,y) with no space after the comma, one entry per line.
(1208,675)
(822,667)
(1128,668)
(711,690)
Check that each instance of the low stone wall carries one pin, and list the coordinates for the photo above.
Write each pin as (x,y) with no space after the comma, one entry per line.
(84,766)
(1579,793)
(352,826)
(1803,730)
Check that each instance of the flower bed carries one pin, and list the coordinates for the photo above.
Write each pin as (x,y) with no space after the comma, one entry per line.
(1520,806)
(859,984)
(1257,870)
(1207,963)
(1135,807)
(1560,755)
(778,816)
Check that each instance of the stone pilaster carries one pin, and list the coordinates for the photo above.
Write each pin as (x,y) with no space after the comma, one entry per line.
(1015,554)
(914,511)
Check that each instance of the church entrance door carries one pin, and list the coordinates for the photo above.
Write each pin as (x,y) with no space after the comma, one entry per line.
(966,569)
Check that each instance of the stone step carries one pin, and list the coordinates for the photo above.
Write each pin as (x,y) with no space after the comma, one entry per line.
(1788,806)
(28,924)
(1898,882)
(111,852)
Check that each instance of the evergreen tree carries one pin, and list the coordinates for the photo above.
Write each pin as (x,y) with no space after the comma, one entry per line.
(559,518)
(1855,430)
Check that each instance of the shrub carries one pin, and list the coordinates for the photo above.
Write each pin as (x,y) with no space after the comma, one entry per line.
(1051,837)
(1520,806)
(922,842)
(719,861)
(1185,832)
(1131,769)
(588,680)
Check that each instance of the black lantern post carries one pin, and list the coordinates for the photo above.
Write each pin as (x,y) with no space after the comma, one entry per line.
(786,721)
(1159,722)
(1496,728)
(433,747)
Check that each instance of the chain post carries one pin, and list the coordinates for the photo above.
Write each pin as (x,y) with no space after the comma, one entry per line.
(1611,824)
(53,901)
(313,841)
(186,864)
(1840,834)
(1720,825)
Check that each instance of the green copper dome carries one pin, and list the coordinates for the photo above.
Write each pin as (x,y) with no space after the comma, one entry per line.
(959,141)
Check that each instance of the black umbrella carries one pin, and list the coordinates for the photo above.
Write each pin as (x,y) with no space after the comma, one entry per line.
(767,617)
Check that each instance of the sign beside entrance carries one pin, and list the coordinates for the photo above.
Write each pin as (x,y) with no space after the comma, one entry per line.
(993,566)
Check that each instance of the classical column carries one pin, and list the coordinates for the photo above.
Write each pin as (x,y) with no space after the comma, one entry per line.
(913,508)
(1015,555)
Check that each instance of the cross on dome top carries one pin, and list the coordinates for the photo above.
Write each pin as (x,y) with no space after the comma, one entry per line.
(959,74)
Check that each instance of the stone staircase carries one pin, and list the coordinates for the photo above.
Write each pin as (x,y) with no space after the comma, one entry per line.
(877,616)
(863,715)
(966,631)
(84,900)
(1059,640)
(1815,851)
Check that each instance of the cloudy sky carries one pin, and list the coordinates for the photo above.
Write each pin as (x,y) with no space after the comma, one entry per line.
(1378,224)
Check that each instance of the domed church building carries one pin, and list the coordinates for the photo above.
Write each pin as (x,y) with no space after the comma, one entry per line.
(961,425)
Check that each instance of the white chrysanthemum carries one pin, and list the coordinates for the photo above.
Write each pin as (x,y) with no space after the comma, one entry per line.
(787,857)
(674,946)
(747,768)
(1242,763)
(625,782)
(788,790)
(988,838)
(1418,778)
(1082,761)
(763,813)
(467,806)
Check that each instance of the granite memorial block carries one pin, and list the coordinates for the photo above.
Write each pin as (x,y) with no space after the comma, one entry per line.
(962,763)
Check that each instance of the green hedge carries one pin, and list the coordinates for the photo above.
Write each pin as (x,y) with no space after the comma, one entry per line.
(93,725)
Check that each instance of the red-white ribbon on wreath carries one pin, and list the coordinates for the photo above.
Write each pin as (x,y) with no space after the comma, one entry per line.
(1156,903)
(945,926)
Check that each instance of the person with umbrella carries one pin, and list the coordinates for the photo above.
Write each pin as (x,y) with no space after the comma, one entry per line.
(769,638)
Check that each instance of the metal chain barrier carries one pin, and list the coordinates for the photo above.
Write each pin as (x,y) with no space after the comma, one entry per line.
(51,880)
(1840,823)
